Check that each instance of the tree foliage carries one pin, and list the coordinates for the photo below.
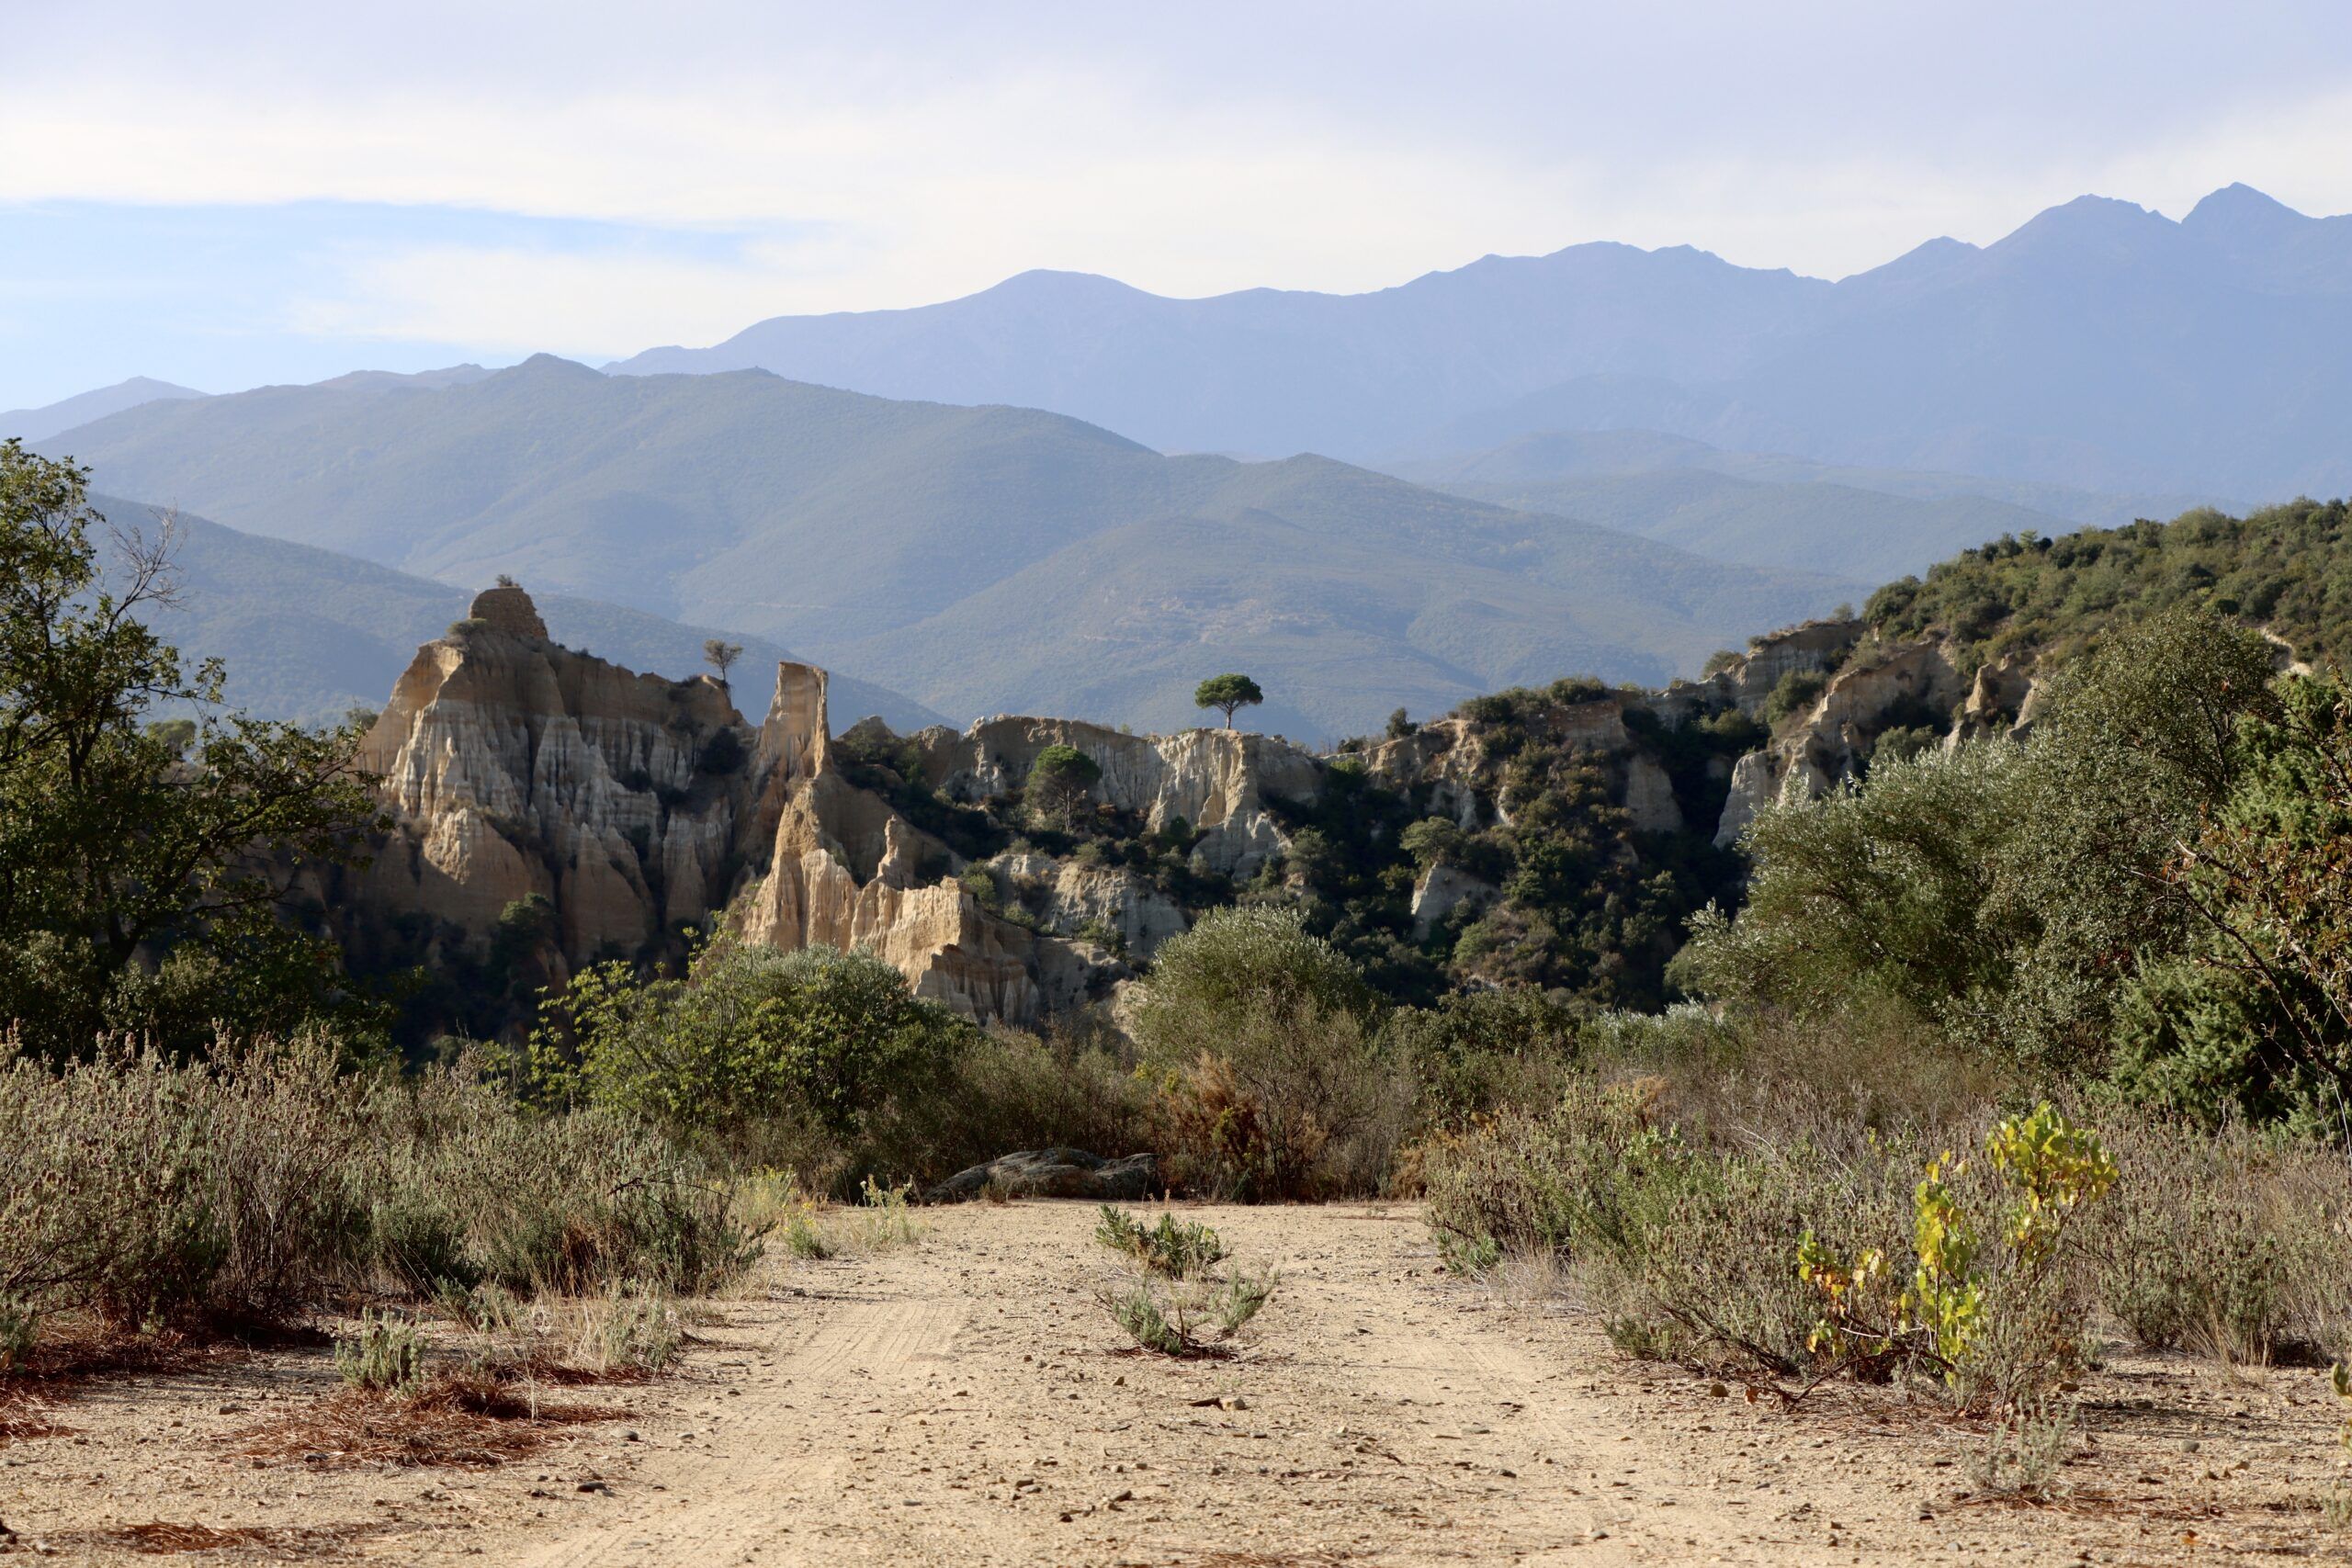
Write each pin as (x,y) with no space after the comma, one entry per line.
(747,1036)
(2154,887)
(2286,568)
(1058,782)
(1228,693)
(147,869)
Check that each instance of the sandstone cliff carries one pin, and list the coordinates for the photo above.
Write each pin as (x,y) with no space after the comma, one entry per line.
(1215,781)
(844,870)
(1881,685)
(633,806)
(512,766)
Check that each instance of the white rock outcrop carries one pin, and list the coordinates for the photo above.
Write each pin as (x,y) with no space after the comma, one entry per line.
(512,766)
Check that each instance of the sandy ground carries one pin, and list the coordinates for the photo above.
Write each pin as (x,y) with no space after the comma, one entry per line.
(964,1400)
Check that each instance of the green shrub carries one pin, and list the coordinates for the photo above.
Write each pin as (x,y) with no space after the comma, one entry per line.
(383,1356)
(1479,1050)
(1187,1317)
(1794,694)
(754,1046)
(1273,1084)
(1176,1249)
(157,1191)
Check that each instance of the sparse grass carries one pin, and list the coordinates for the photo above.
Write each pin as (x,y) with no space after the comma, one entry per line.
(885,1217)
(1174,1249)
(626,1331)
(777,1204)
(384,1356)
(2024,1451)
(774,1202)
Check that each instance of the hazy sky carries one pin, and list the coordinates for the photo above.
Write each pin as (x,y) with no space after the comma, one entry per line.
(229,194)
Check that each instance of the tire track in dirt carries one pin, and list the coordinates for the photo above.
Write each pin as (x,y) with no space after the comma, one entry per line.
(766,1480)
(964,1403)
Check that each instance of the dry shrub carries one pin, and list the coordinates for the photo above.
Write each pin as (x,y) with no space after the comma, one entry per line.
(2235,1241)
(239,1191)
(1295,1107)
(1272,1079)
(157,1193)
(1686,1239)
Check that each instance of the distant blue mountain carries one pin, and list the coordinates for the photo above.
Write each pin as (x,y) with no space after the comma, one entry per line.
(38,424)
(2102,346)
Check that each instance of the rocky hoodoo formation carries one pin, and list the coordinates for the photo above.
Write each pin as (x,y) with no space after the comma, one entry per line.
(513,767)
(1877,686)
(1452,759)
(844,870)
(1214,780)
(613,809)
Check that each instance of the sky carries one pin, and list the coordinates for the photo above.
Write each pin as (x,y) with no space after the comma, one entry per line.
(235,194)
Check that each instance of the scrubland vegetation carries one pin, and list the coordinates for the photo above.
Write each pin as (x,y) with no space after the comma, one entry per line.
(1991,1055)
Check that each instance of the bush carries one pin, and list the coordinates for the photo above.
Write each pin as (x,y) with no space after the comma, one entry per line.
(1175,1249)
(1685,1245)
(1273,1084)
(757,1053)
(1478,1052)
(1794,694)
(384,1356)
(249,1188)
(1177,1317)
(2234,1242)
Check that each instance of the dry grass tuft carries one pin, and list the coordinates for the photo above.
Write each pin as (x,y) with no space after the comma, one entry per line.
(59,1367)
(162,1538)
(469,1418)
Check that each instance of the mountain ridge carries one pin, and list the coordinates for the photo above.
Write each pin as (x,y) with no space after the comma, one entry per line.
(852,527)
(2099,344)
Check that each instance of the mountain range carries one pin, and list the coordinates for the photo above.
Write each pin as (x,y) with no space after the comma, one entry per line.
(2100,347)
(979,560)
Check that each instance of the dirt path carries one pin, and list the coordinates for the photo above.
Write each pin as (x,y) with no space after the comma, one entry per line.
(963,1401)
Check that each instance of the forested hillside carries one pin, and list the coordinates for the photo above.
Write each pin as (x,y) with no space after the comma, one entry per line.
(2284,569)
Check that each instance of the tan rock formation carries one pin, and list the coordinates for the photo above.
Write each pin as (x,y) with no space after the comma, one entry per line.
(1828,744)
(1069,898)
(1443,889)
(512,766)
(1816,645)
(1215,779)
(844,870)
